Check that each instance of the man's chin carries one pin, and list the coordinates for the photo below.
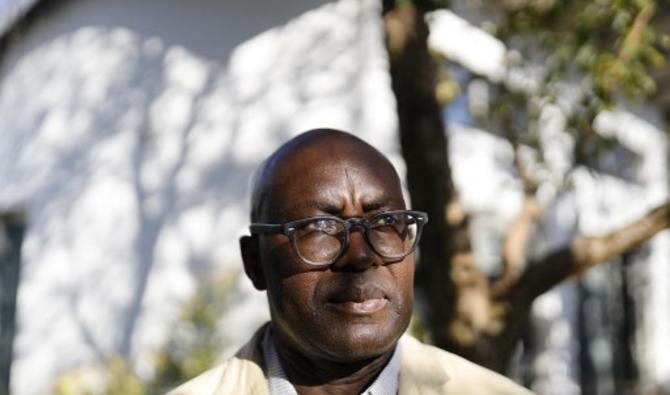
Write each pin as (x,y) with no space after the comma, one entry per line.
(358,343)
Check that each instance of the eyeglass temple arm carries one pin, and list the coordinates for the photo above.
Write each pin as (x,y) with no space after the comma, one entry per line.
(266,228)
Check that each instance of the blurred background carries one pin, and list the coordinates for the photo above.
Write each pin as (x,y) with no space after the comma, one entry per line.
(527,128)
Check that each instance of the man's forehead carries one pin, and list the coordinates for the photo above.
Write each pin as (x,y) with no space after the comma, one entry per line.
(332,186)
(320,169)
(312,167)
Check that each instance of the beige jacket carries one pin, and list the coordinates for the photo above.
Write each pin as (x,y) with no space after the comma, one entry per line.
(424,370)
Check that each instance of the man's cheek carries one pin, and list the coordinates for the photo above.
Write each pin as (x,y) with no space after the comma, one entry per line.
(297,295)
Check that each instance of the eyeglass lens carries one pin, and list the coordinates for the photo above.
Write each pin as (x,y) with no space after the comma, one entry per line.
(391,235)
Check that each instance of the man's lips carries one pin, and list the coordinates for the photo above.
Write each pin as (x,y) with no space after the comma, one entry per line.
(360,300)
(366,307)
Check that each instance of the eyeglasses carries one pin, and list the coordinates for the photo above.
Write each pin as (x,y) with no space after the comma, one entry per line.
(320,240)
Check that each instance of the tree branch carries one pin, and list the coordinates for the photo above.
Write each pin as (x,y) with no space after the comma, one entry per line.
(586,252)
(517,236)
(631,43)
(515,245)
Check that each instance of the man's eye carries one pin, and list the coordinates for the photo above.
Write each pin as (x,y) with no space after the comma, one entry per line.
(387,220)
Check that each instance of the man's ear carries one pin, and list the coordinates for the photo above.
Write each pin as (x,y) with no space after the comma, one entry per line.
(252,263)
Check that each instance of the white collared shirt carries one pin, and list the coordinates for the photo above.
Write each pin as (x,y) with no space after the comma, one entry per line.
(386,383)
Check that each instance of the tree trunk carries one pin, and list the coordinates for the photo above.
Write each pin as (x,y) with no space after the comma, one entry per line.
(465,313)
(456,294)
(424,148)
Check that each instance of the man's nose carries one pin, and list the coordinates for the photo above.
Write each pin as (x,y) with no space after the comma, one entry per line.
(358,255)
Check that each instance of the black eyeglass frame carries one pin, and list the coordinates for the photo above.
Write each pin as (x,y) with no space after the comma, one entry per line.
(289,228)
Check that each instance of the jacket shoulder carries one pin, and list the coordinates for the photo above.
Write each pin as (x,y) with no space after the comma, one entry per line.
(235,376)
(452,373)
(241,374)
(204,384)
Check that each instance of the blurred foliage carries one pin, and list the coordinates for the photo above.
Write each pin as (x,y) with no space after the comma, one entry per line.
(114,377)
(196,341)
(418,330)
(193,346)
(613,42)
(424,4)
(608,49)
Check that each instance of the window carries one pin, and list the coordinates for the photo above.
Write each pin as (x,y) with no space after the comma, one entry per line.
(12,226)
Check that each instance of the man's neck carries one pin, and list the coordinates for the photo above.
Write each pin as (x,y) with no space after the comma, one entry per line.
(312,376)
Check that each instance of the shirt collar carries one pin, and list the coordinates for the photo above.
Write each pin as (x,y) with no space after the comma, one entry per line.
(386,383)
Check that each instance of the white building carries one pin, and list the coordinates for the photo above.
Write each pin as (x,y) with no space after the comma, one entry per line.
(129,131)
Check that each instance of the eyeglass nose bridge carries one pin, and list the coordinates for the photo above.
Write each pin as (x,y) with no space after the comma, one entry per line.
(350,225)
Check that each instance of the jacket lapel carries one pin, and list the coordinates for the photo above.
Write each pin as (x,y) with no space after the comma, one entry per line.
(244,374)
(421,373)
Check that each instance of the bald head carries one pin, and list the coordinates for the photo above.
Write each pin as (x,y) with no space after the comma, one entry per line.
(314,177)
(311,155)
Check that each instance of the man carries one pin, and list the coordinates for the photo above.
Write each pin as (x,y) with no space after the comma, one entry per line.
(333,245)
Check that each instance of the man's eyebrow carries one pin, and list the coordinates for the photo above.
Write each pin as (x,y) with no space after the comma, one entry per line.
(331,208)
(375,205)
(327,207)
